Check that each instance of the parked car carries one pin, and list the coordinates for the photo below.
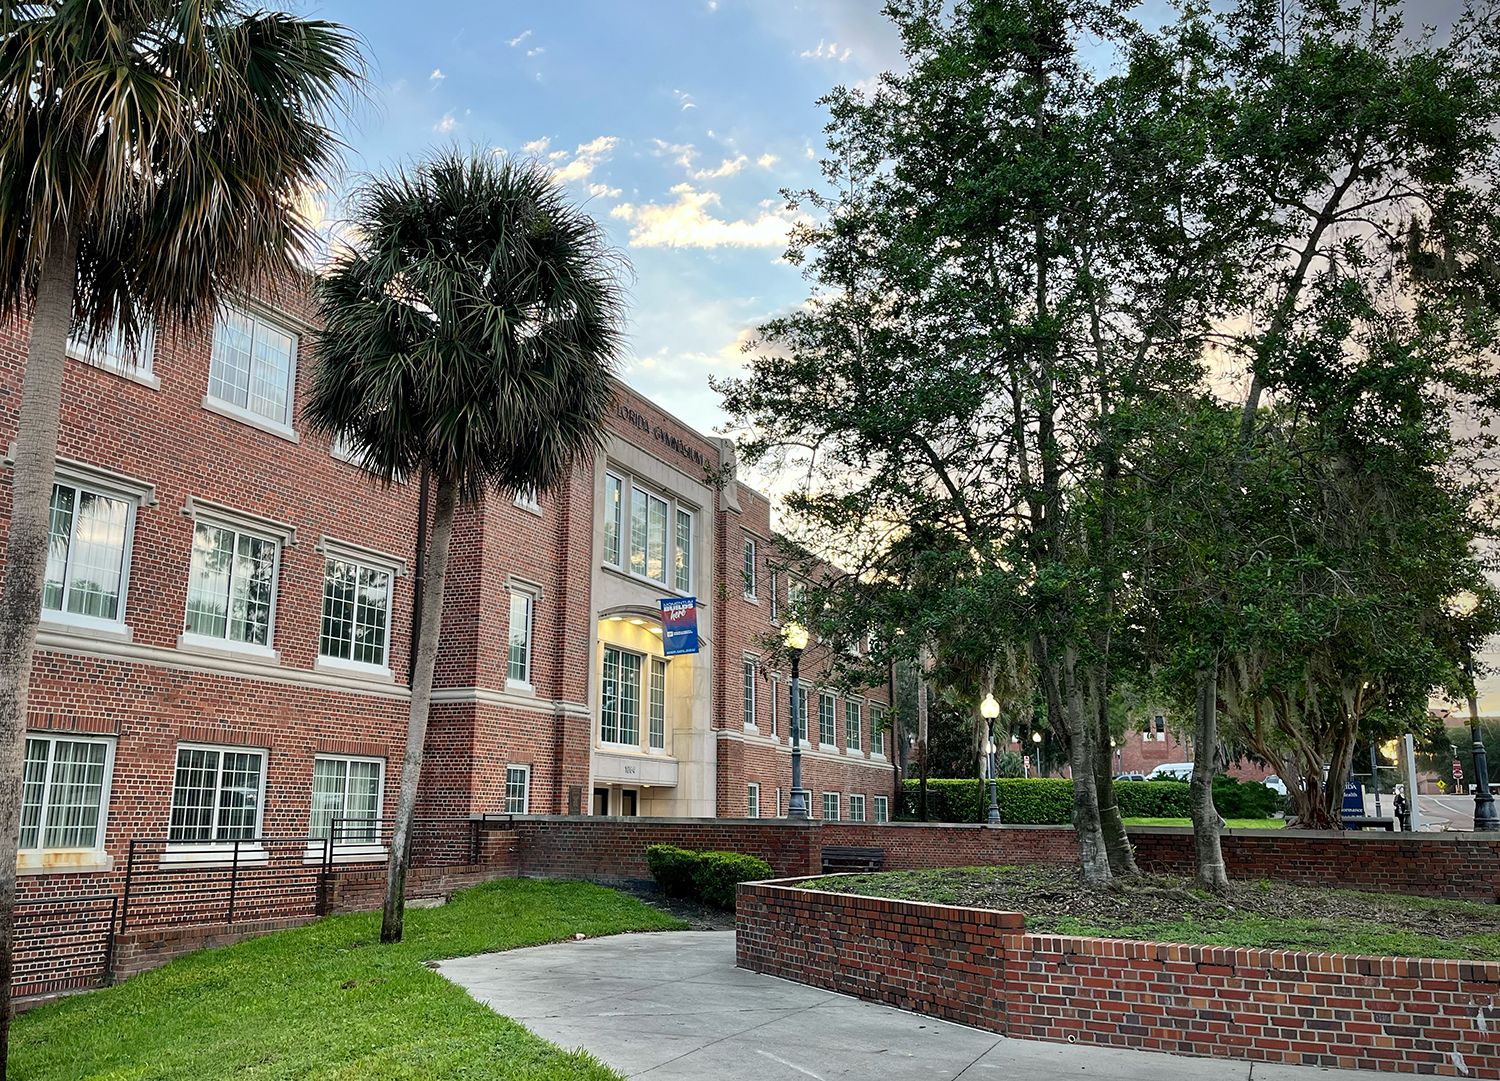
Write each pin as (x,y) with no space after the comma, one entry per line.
(1172,771)
(1275,784)
(1131,777)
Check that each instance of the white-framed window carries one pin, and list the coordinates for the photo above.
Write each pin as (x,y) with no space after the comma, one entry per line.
(216,794)
(518,650)
(856,807)
(613,494)
(796,599)
(752,800)
(349,789)
(356,626)
(750,692)
(826,718)
(253,368)
(65,792)
(656,736)
(807,803)
(775,597)
(527,499)
(88,553)
(852,725)
(111,353)
(775,701)
(802,711)
(882,809)
(517,790)
(877,729)
(1158,728)
(620,698)
(684,551)
(830,806)
(648,535)
(747,568)
(232,575)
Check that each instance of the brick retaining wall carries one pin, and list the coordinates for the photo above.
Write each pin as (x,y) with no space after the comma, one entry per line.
(977,968)
(1458,865)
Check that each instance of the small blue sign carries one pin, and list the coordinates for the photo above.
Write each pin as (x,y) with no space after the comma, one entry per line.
(1354,800)
(679,626)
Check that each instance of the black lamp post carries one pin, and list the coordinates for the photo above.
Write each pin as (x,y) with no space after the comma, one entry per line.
(989,709)
(795,637)
(1485,819)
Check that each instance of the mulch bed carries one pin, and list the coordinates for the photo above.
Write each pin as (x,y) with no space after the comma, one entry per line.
(699,917)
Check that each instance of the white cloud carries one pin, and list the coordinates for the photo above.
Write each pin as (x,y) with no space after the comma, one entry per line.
(685,98)
(726,168)
(437,75)
(446,124)
(828,51)
(513,42)
(765,161)
(588,157)
(536,146)
(681,153)
(686,224)
(538,49)
(603,191)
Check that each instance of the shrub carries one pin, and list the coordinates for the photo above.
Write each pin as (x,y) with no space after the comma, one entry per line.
(1048,801)
(718,873)
(674,869)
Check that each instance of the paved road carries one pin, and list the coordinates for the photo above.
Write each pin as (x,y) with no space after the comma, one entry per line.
(673,1006)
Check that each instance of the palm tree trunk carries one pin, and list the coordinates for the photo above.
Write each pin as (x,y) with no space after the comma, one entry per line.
(421,698)
(1211,874)
(26,560)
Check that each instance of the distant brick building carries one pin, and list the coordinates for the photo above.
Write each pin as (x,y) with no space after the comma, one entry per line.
(228,612)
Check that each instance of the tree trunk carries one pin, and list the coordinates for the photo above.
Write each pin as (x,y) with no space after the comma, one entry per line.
(26,560)
(421,698)
(1206,821)
(1111,821)
(1093,854)
(922,734)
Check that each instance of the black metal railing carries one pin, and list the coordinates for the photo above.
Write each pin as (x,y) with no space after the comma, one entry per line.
(62,943)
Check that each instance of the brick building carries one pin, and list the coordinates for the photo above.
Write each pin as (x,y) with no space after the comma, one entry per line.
(227,618)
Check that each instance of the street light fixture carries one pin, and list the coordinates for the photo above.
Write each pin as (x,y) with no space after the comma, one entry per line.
(989,709)
(1485,819)
(794,637)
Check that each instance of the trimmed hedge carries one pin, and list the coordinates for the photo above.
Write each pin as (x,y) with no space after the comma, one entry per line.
(709,876)
(1048,801)
(718,873)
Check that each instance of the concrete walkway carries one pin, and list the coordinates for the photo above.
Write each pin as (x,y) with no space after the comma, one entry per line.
(672,1005)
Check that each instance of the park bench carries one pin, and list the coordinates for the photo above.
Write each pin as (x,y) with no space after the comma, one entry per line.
(839,858)
(1359,822)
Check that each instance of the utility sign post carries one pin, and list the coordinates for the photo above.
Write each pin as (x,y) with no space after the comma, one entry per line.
(679,626)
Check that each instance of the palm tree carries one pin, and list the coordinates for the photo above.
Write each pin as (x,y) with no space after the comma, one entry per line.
(469,334)
(152,155)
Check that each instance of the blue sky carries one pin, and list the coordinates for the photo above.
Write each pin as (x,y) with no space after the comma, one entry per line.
(677,122)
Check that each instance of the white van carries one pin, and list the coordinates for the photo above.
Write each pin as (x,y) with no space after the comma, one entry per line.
(1172,771)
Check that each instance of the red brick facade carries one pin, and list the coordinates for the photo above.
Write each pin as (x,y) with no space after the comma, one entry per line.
(166,441)
(978,968)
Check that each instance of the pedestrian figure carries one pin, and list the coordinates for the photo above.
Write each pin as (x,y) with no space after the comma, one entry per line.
(1403,813)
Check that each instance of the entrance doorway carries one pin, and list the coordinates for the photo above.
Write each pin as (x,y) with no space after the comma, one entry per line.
(601,801)
(627,799)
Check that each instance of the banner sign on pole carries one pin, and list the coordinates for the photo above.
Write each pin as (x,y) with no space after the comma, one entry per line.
(1354,800)
(679,626)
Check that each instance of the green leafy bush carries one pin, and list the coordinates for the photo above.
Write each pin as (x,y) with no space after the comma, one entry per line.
(674,869)
(718,873)
(1048,801)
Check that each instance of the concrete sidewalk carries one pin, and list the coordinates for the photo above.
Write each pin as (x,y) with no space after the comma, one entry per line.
(672,1005)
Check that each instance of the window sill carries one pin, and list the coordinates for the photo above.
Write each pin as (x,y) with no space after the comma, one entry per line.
(145,379)
(213,854)
(223,647)
(369,671)
(753,729)
(517,686)
(750,598)
(64,861)
(88,628)
(530,508)
(254,420)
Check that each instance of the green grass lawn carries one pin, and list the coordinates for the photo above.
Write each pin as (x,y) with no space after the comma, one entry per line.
(327,1001)
(1234,823)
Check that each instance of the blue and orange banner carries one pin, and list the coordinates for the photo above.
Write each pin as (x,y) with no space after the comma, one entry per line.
(679,626)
